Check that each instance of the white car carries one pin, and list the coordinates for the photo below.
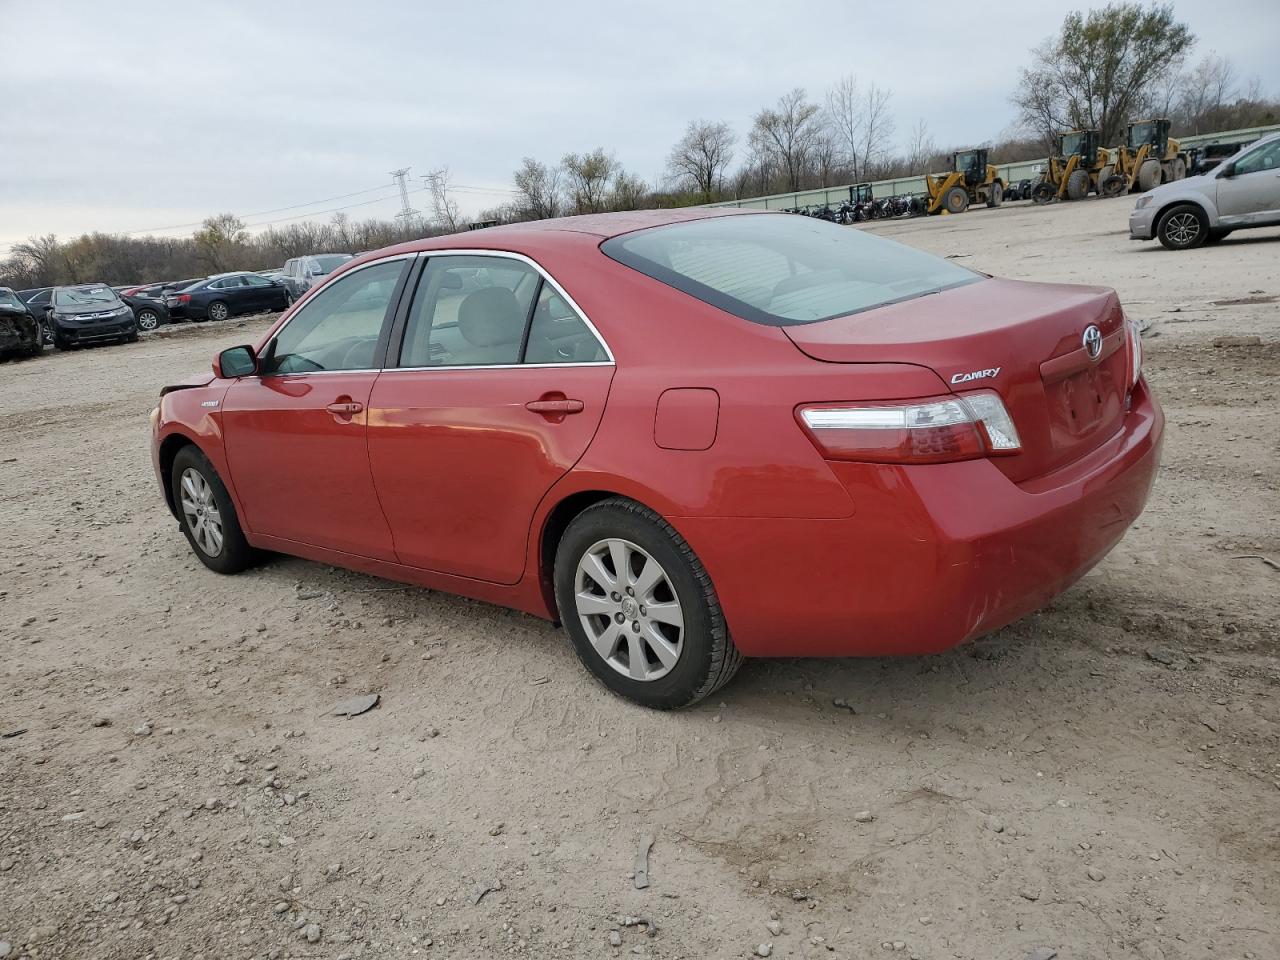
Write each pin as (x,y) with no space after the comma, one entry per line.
(1239,193)
(303,273)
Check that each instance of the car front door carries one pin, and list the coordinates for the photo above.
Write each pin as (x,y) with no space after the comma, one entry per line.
(496,388)
(1251,194)
(296,431)
(259,292)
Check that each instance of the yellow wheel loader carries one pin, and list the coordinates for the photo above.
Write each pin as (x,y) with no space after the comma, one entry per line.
(1150,156)
(970,180)
(1079,168)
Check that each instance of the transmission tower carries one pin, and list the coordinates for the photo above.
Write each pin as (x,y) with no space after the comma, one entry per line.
(407,214)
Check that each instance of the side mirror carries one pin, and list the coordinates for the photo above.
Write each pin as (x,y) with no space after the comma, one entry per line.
(1228,170)
(235,362)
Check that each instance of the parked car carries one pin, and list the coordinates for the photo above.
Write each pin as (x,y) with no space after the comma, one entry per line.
(148,306)
(226,295)
(1203,159)
(37,301)
(89,313)
(1241,192)
(303,273)
(689,435)
(19,329)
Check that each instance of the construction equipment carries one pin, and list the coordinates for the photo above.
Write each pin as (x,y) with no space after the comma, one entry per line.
(1150,156)
(1079,168)
(971,179)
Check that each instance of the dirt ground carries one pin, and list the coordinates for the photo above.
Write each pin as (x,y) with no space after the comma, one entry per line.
(1099,780)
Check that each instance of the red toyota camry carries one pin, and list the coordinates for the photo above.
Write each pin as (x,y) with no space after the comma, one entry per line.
(689,436)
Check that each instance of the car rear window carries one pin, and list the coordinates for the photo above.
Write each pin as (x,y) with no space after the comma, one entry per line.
(784,269)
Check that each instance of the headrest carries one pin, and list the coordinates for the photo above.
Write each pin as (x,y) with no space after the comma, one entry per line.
(490,317)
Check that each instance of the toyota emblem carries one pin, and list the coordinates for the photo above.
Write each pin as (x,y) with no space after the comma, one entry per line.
(1092,341)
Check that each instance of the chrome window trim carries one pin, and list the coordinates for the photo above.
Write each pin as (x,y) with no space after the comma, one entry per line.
(498,366)
(510,255)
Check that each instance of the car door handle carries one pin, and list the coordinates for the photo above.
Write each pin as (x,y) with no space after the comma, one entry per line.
(348,408)
(555,407)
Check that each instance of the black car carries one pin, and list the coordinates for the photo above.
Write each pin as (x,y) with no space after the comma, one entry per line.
(37,301)
(148,306)
(226,295)
(89,313)
(19,330)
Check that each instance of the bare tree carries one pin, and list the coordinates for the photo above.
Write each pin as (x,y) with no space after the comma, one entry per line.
(218,241)
(444,209)
(878,126)
(589,176)
(921,148)
(1205,90)
(699,159)
(628,191)
(787,133)
(538,195)
(1101,68)
(845,117)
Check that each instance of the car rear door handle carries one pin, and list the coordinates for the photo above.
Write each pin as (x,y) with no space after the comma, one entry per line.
(555,407)
(348,408)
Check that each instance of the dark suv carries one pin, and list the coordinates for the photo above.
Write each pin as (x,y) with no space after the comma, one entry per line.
(89,313)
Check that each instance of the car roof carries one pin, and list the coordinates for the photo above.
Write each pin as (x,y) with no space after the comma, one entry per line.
(593,228)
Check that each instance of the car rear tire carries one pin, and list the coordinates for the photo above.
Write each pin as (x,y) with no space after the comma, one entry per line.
(218,310)
(148,320)
(640,608)
(1183,227)
(207,515)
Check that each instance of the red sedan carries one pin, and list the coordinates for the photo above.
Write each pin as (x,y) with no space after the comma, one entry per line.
(690,436)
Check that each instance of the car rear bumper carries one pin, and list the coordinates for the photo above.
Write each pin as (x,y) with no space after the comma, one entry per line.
(933,556)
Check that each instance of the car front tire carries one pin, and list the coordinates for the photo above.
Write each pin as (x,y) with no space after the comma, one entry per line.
(206,514)
(1183,227)
(640,608)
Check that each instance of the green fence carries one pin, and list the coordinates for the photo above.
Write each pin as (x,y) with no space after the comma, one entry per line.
(1009,172)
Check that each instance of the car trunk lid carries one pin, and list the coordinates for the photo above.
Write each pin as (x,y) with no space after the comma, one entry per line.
(1023,340)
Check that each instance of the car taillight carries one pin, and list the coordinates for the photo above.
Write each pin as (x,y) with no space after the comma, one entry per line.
(1133,337)
(184,298)
(933,430)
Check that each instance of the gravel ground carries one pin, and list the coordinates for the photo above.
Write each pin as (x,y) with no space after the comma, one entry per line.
(1099,780)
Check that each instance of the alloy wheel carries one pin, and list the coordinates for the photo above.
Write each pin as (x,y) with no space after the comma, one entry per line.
(1183,228)
(201,512)
(148,320)
(629,609)
(218,311)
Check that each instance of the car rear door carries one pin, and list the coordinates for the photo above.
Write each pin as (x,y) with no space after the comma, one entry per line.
(1251,194)
(494,387)
(295,433)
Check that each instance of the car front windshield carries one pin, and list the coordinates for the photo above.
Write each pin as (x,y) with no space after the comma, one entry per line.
(330,262)
(782,269)
(84,296)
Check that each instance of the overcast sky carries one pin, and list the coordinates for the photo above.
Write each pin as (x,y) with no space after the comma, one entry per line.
(128,115)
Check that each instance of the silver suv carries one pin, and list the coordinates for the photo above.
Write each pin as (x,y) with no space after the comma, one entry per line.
(303,273)
(1241,192)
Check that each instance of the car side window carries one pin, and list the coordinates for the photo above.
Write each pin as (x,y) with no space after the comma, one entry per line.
(253,280)
(469,311)
(338,328)
(558,334)
(1266,157)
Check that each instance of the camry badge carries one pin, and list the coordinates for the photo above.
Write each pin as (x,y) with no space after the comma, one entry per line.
(1092,340)
(975,375)
(208,403)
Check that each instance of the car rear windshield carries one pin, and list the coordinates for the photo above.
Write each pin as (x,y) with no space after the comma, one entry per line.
(784,269)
